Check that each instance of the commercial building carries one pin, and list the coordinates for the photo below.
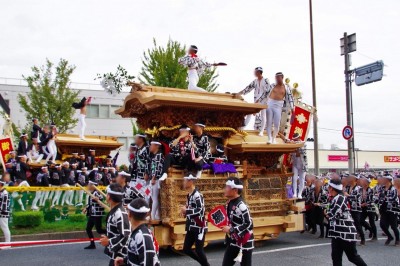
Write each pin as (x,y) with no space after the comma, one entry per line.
(337,160)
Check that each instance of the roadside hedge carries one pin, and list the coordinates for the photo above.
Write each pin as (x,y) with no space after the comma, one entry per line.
(77,218)
(27,219)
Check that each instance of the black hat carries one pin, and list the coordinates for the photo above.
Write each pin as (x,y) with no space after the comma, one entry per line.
(296,136)
(193,47)
(220,148)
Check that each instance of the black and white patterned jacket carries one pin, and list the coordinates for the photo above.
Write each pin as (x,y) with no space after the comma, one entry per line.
(4,204)
(93,208)
(322,197)
(56,177)
(354,198)
(156,165)
(195,212)
(180,150)
(141,163)
(194,62)
(368,198)
(341,223)
(43,179)
(308,194)
(118,230)
(241,224)
(131,193)
(141,248)
(203,148)
(388,200)
(261,89)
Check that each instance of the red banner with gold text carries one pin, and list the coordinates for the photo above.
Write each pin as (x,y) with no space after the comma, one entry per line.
(5,148)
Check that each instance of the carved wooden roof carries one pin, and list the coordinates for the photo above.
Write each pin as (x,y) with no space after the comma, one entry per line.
(147,98)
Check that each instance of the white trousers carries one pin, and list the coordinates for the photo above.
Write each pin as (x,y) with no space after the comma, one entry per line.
(38,157)
(44,198)
(38,197)
(52,149)
(274,113)
(82,125)
(5,229)
(79,196)
(155,207)
(57,195)
(193,78)
(66,196)
(298,174)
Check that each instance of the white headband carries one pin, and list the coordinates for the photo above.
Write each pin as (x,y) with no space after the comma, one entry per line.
(109,191)
(232,184)
(190,177)
(338,187)
(142,209)
(2,182)
(220,150)
(93,183)
(140,135)
(123,173)
(155,142)
(388,177)
(200,124)
(185,129)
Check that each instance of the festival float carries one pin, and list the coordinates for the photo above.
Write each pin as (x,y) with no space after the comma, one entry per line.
(262,167)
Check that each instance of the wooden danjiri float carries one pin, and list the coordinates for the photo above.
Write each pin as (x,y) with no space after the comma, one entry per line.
(258,164)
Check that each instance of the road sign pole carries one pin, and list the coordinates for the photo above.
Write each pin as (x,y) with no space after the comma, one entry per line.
(314,95)
(349,105)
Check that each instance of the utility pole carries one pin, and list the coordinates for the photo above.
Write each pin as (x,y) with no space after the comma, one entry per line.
(314,95)
(349,102)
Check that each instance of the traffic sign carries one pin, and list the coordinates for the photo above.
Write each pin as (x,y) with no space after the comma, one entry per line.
(347,132)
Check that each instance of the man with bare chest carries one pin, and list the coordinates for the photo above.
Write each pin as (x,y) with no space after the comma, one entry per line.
(280,96)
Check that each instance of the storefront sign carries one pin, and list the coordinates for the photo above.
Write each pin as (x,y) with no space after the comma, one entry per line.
(338,158)
(392,159)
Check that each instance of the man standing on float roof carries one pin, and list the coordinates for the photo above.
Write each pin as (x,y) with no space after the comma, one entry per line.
(261,87)
(279,98)
(196,67)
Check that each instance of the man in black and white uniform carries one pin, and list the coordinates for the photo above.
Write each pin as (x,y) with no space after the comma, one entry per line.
(261,87)
(388,202)
(196,225)
(239,233)
(353,192)
(130,192)
(142,248)
(299,167)
(341,226)
(140,167)
(4,211)
(156,171)
(118,226)
(95,212)
(201,145)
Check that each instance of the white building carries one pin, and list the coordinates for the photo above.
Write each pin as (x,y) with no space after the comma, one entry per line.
(101,119)
(337,160)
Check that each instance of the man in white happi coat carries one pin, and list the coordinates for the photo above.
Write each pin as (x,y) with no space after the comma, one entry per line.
(279,99)
(261,87)
(196,67)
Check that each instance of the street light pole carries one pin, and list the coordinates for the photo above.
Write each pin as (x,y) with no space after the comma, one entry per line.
(314,95)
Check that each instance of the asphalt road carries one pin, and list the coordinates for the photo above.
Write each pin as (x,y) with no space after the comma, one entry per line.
(289,249)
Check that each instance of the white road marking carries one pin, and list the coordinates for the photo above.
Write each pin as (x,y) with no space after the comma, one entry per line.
(296,247)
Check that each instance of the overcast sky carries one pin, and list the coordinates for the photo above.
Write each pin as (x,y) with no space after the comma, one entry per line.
(98,35)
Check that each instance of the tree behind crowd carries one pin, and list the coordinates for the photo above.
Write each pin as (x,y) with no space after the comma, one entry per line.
(50,97)
(161,68)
